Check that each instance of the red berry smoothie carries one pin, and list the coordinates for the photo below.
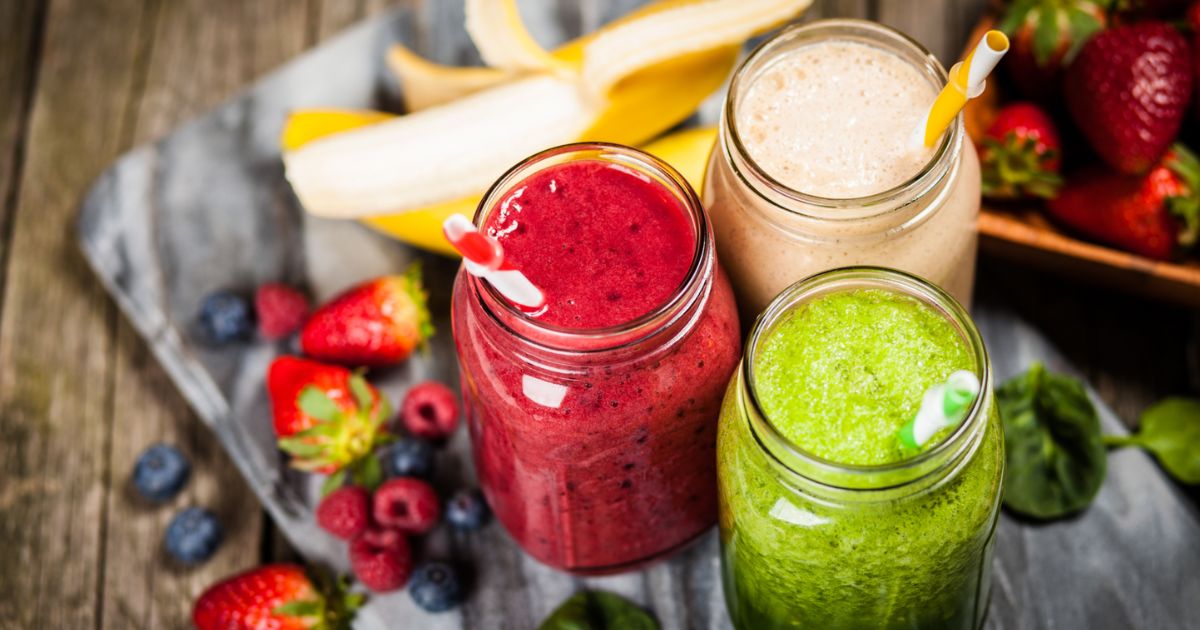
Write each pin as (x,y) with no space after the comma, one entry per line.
(593,419)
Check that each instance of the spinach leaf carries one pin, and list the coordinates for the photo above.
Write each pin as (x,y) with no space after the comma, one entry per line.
(597,610)
(1055,454)
(1171,431)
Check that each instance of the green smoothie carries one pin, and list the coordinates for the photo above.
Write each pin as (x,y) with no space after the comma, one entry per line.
(907,544)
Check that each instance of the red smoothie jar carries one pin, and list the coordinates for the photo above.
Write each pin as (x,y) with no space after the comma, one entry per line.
(593,419)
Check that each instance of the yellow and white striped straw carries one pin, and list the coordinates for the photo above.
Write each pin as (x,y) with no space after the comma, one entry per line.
(967,80)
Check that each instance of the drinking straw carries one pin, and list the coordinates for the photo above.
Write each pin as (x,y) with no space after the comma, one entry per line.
(944,405)
(484,258)
(967,80)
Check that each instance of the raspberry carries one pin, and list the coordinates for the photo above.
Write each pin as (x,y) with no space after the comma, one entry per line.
(381,559)
(430,411)
(407,504)
(282,310)
(345,513)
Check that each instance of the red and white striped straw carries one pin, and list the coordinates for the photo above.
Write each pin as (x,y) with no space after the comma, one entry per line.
(484,258)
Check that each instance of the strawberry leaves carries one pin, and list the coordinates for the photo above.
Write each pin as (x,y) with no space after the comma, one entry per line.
(1185,207)
(347,426)
(1056,25)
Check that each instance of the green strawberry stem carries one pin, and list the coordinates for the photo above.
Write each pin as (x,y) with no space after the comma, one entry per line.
(1186,207)
(342,440)
(1014,168)
(415,290)
(333,610)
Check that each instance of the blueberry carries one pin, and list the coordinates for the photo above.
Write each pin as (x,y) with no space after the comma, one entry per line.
(160,472)
(409,457)
(193,535)
(434,587)
(224,317)
(467,510)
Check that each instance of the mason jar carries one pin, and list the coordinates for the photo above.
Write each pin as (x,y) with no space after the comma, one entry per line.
(770,235)
(807,542)
(594,447)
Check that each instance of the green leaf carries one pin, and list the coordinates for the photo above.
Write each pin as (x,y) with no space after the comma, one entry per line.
(300,608)
(1082,26)
(1015,16)
(362,392)
(314,403)
(1046,37)
(333,482)
(597,610)
(300,447)
(368,472)
(1171,431)
(1056,457)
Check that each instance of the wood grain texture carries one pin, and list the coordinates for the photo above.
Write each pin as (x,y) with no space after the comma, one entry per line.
(56,342)
(21,32)
(80,395)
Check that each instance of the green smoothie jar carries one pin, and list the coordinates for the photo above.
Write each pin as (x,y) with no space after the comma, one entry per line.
(827,520)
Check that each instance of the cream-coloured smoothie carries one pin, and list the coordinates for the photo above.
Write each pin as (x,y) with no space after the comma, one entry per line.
(835,119)
(816,167)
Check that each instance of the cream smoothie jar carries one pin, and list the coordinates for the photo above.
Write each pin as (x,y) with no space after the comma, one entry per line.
(816,166)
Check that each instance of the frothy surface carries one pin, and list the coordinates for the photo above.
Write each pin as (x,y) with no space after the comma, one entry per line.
(604,243)
(841,375)
(835,119)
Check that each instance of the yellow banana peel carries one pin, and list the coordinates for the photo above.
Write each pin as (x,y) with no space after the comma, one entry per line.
(425,84)
(686,150)
(633,79)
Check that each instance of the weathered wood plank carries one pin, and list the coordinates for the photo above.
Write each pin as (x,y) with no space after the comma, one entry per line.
(21,31)
(334,15)
(1134,351)
(199,54)
(940,25)
(56,347)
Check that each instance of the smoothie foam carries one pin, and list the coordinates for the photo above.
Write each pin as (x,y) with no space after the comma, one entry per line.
(817,168)
(841,375)
(838,376)
(597,460)
(836,120)
(604,243)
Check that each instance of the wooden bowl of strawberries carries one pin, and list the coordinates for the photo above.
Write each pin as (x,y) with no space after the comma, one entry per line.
(1083,133)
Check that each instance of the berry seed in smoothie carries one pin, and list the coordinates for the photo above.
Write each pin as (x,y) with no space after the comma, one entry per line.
(604,243)
(874,536)
(593,424)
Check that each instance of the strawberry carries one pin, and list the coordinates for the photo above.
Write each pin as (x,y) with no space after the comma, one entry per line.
(328,419)
(276,597)
(1020,154)
(1046,35)
(1152,8)
(1128,91)
(376,323)
(1149,214)
(1192,19)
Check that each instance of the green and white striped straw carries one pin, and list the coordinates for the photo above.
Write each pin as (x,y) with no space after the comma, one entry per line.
(944,405)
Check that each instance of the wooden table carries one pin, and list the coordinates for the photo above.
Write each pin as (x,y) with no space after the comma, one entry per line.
(82,81)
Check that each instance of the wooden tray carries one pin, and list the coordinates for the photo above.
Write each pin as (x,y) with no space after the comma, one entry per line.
(1023,234)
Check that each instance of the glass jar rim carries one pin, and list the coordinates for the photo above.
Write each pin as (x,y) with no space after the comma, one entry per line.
(926,178)
(818,469)
(620,335)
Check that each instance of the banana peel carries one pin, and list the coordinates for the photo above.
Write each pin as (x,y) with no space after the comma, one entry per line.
(351,167)
(687,151)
